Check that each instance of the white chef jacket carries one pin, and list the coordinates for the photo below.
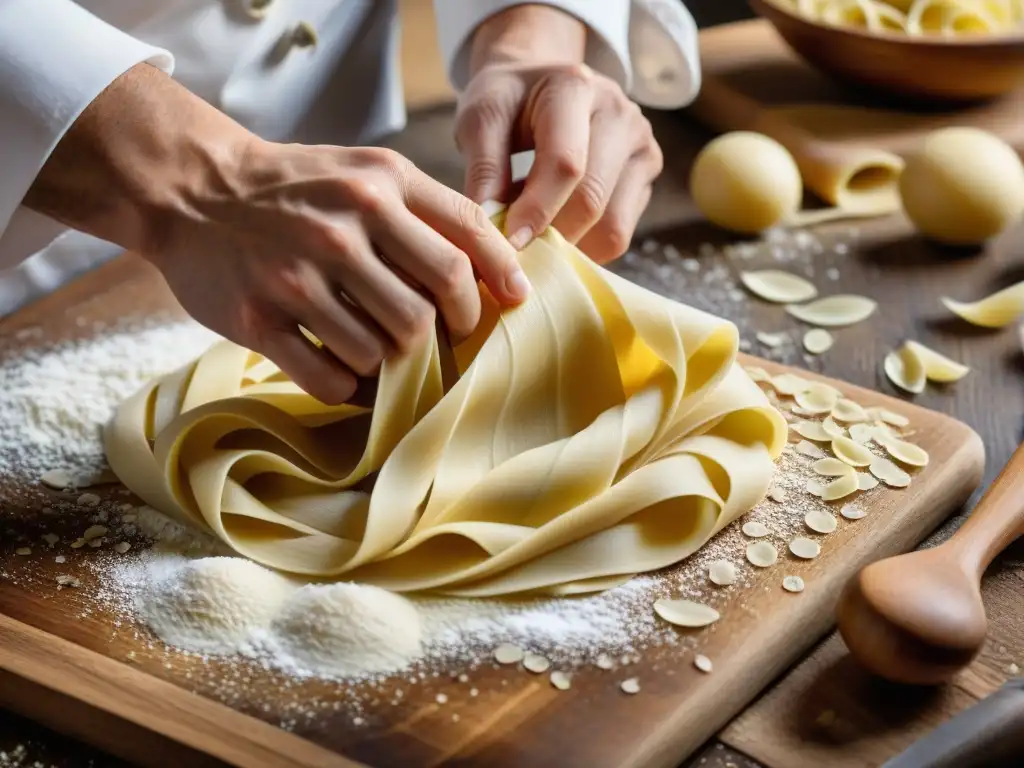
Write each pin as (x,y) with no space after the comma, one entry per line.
(56,56)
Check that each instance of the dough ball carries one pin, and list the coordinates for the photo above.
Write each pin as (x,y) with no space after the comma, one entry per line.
(212,604)
(348,629)
(963,186)
(746,182)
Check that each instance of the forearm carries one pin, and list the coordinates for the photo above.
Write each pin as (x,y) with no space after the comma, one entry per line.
(142,152)
(533,33)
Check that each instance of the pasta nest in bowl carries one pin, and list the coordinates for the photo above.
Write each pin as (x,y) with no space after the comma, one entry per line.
(916,18)
(595,432)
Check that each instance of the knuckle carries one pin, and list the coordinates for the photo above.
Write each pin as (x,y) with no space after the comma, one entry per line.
(365,195)
(412,322)
(472,219)
(481,113)
(366,357)
(591,197)
(569,164)
(578,73)
(456,273)
(616,235)
(483,171)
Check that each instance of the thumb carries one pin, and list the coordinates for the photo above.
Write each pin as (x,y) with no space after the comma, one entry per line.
(484,137)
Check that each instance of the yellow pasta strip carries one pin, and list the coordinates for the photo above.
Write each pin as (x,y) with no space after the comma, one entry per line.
(595,432)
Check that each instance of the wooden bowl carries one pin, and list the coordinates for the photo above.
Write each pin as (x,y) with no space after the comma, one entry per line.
(943,69)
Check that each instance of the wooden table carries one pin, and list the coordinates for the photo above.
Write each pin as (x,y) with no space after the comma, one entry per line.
(907,277)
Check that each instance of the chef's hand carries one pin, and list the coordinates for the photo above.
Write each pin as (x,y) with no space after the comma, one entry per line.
(257,238)
(596,156)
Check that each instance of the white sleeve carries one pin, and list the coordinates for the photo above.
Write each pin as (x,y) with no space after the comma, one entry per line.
(649,47)
(55,58)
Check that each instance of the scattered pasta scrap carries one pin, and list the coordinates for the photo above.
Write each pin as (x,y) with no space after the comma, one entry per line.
(561,680)
(840,487)
(865,481)
(757,374)
(810,450)
(686,613)
(905,370)
(888,417)
(755,530)
(604,661)
(777,494)
(910,366)
(850,512)
(506,653)
(994,311)
(832,429)
(793,584)
(536,663)
(851,452)
(789,384)
(848,411)
(804,548)
(834,311)
(820,521)
(862,433)
(772,340)
(812,430)
(818,341)
(889,473)
(703,663)
(830,467)
(778,287)
(630,686)
(905,452)
(762,554)
(722,573)
(817,398)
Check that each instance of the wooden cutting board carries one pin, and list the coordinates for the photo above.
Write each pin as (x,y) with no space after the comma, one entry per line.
(77,671)
(749,58)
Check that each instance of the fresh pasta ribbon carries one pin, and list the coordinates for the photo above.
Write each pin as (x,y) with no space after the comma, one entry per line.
(916,17)
(594,432)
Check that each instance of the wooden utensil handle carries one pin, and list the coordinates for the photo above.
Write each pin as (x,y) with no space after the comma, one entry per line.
(997,520)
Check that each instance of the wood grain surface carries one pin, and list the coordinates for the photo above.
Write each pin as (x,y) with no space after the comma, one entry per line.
(517,720)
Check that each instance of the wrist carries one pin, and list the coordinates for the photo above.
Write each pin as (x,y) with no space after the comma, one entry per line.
(529,34)
(139,159)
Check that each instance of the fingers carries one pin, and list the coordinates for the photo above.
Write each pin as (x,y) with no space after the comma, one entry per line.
(606,160)
(345,330)
(465,225)
(560,126)
(434,263)
(611,236)
(313,370)
(484,136)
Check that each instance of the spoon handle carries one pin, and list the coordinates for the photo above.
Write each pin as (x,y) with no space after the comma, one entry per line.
(998,518)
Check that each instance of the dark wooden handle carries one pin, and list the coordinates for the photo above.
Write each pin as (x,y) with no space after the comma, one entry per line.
(996,521)
(991,733)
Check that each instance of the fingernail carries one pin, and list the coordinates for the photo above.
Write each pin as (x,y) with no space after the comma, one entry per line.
(517,285)
(521,238)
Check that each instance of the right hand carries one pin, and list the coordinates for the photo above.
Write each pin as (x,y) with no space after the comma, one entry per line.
(355,244)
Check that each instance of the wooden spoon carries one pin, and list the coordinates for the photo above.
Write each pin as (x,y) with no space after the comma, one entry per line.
(919,618)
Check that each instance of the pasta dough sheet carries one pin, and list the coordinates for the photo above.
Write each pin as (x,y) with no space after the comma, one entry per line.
(593,433)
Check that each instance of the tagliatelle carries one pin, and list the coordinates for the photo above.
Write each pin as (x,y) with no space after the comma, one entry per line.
(595,432)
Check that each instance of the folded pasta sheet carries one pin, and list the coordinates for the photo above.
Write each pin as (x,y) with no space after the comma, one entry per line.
(594,432)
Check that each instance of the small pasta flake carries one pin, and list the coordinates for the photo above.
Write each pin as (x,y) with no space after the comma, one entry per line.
(814,487)
(849,411)
(905,370)
(812,430)
(817,398)
(506,653)
(755,530)
(789,384)
(840,487)
(804,548)
(906,453)
(834,311)
(820,521)
(757,374)
(866,481)
(833,429)
(888,417)
(772,340)
(831,467)
(851,452)
(793,584)
(778,287)
(762,554)
(810,450)
(850,512)
(722,573)
(777,494)
(630,686)
(889,473)
(995,311)
(703,663)
(686,613)
(937,367)
(536,663)
(862,433)
(561,680)
(818,341)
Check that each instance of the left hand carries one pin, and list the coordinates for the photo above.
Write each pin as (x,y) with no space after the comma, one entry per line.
(596,156)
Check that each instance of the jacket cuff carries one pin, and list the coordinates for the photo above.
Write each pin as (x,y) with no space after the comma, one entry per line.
(55,59)
(607,43)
